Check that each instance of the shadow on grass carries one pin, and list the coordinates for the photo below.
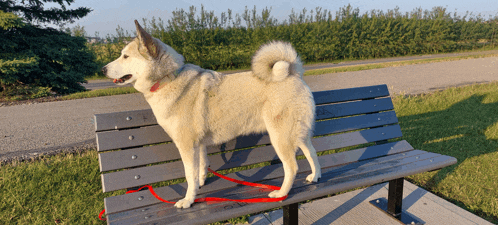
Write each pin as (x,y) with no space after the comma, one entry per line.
(465,130)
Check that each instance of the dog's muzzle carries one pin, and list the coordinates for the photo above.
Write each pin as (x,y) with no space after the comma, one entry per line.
(116,81)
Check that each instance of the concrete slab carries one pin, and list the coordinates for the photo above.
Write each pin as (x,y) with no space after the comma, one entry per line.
(354,208)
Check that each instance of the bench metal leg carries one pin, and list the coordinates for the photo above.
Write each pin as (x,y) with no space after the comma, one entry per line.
(393,205)
(395,197)
(290,214)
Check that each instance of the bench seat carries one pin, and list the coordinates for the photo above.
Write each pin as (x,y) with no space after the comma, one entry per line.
(134,151)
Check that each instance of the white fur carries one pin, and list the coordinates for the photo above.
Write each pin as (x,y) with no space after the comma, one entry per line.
(280,71)
(200,107)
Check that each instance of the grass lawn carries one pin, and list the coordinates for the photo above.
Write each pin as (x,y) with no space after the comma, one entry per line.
(463,123)
(101,92)
(460,122)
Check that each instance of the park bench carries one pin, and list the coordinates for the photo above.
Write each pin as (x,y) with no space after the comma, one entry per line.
(135,151)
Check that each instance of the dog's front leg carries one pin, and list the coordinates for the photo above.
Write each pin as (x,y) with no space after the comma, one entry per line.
(190,160)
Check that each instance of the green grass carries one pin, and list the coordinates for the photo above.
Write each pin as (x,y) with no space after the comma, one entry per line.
(461,122)
(100,92)
(62,189)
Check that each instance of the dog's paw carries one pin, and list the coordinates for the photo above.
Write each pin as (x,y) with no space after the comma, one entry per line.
(313,177)
(277,194)
(184,203)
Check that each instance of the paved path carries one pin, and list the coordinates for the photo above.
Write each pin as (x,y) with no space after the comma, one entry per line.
(28,130)
(100,84)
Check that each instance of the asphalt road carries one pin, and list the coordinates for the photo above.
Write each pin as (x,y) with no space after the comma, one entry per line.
(101,84)
(47,128)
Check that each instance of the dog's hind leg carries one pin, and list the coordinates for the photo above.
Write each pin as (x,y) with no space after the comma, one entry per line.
(310,153)
(203,164)
(286,152)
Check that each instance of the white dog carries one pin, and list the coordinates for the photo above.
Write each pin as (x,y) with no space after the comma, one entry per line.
(198,107)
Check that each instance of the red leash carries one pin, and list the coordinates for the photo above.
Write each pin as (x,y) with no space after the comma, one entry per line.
(215,199)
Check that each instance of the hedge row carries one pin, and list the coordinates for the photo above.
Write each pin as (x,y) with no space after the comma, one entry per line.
(228,42)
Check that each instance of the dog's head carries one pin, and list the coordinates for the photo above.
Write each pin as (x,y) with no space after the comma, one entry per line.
(143,62)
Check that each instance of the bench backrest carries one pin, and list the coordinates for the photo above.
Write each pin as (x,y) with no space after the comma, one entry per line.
(347,117)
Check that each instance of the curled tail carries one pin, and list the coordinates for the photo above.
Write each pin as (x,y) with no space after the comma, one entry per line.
(275,61)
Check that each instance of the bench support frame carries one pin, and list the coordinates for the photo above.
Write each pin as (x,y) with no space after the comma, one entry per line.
(291,214)
(392,206)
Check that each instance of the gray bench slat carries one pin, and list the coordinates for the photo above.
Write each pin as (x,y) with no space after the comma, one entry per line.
(116,139)
(333,181)
(354,123)
(125,202)
(152,174)
(153,154)
(353,108)
(350,94)
(120,120)
(129,138)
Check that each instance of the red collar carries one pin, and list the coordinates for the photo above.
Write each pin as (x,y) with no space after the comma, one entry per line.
(157,86)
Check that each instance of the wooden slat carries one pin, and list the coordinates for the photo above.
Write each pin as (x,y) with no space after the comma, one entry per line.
(126,119)
(118,120)
(137,157)
(129,138)
(153,154)
(353,108)
(116,139)
(354,123)
(333,180)
(152,174)
(350,94)
(124,202)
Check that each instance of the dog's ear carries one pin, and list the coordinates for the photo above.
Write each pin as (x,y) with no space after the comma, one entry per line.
(147,45)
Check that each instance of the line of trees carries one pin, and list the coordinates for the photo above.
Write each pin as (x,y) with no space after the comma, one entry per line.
(40,60)
(228,41)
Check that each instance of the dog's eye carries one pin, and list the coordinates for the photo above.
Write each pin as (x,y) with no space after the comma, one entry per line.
(125,56)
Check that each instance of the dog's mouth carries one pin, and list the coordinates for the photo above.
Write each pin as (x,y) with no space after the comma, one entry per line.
(122,79)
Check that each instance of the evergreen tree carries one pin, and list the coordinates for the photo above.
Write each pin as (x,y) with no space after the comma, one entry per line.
(35,56)
(34,13)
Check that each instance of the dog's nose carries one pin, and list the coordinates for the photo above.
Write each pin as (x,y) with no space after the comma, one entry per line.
(104,70)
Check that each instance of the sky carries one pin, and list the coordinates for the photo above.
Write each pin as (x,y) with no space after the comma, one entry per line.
(108,14)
